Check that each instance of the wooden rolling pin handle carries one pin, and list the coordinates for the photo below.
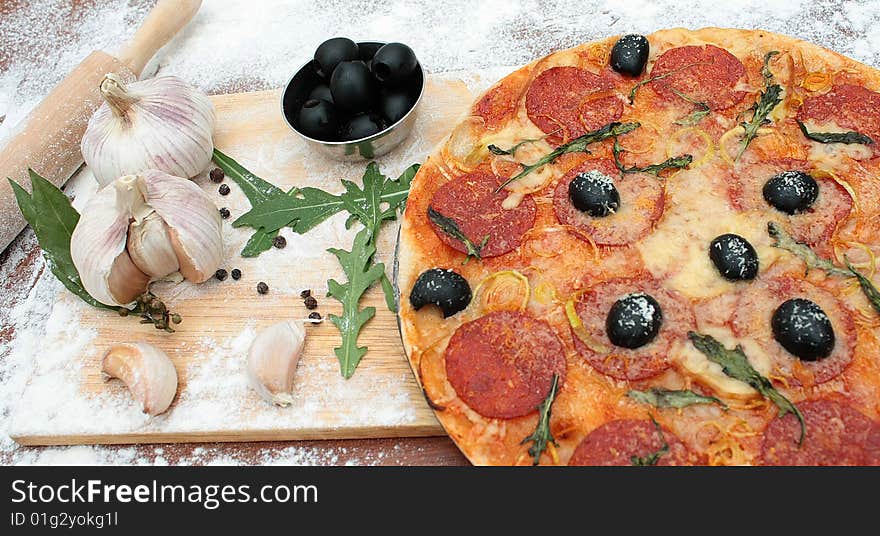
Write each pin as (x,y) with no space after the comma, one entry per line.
(164,21)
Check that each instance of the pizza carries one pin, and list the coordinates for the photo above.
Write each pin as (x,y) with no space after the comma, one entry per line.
(654,250)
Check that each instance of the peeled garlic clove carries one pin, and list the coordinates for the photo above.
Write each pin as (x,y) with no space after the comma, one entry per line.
(159,123)
(193,222)
(272,361)
(97,248)
(147,371)
(150,247)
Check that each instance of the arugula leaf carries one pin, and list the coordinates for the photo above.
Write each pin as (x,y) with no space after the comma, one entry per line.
(868,288)
(835,137)
(635,88)
(450,227)
(768,99)
(301,210)
(694,117)
(653,458)
(542,435)
(577,145)
(735,365)
(366,204)
(361,273)
(783,240)
(667,398)
(677,162)
(53,218)
(494,149)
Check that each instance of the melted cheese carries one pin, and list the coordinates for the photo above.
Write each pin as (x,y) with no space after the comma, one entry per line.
(834,155)
(697,365)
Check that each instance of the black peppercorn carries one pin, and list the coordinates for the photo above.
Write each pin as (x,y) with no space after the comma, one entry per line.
(279,242)
(221,274)
(224,213)
(306,293)
(236,274)
(311,302)
(176,318)
(315,316)
(262,288)
(224,189)
(217,175)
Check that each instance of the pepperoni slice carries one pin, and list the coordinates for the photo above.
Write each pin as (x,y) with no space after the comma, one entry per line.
(704,73)
(641,205)
(814,226)
(624,363)
(623,442)
(571,100)
(471,201)
(837,434)
(502,364)
(849,106)
(752,319)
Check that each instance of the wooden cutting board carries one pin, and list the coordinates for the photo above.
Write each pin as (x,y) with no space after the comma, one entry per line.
(67,402)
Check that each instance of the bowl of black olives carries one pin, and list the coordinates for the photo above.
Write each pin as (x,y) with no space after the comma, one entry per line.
(355,101)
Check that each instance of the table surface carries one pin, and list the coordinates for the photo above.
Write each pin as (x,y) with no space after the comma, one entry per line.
(530,29)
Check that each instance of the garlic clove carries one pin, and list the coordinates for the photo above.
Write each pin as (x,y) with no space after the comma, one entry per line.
(162,123)
(150,247)
(193,222)
(147,371)
(272,361)
(97,248)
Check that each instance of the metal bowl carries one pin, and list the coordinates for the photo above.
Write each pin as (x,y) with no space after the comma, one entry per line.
(296,92)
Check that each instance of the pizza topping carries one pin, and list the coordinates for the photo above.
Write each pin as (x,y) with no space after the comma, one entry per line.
(633,324)
(769,98)
(502,365)
(677,162)
(446,289)
(507,290)
(803,328)
(706,74)
(847,106)
(634,320)
(660,397)
(835,137)
(734,257)
(634,204)
(735,364)
(791,191)
(542,436)
(809,331)
(474,205)
(631,442)
(630,54)
(839,435)
(572,99)
(783,240)
(593,192)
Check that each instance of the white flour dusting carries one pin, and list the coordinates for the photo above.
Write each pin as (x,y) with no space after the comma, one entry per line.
(234,45)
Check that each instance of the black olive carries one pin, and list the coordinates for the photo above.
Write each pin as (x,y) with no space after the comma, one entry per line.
(803,328)
(446,289)
(317,119)
(634,320)
(333,51)
(322,92)
(394,105)
(394,63)
(629,54)
(791,191)
(734,257)
(594,192)
(366,51)
(361,126)
(352,87)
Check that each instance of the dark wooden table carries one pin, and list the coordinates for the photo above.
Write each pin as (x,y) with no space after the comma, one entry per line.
(22,258)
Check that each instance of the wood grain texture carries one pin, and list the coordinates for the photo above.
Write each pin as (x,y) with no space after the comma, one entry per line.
(250,125)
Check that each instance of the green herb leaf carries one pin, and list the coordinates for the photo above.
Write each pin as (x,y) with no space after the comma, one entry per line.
(300,210)
(361,273)
(259,242)
(783,240)
(53,219)
(542,435)
(767,101)
(835,137)
(577,145)
(667,398)
(379,191)
(653,458)
(494,149)
(694,117)
(868,288)
(450,227)
(635,88)
(735,365)
(677,162)
(388,290)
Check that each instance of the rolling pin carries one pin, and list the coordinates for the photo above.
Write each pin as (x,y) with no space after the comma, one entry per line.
(48,139)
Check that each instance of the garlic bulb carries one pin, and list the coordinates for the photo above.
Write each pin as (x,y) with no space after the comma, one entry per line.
(272,361)
(147,371)
(161,123)
(145,227)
